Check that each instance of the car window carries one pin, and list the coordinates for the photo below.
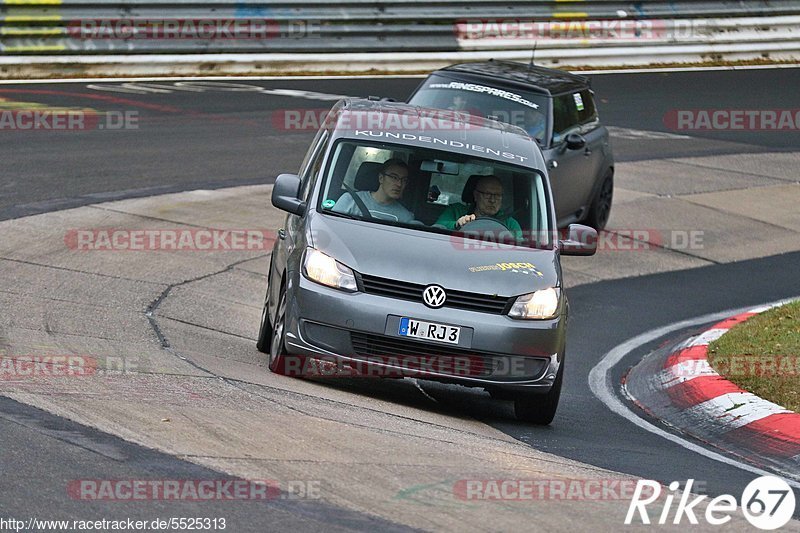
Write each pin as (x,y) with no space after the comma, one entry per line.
(364,154)
(312,150)
(446,189)
(572,111)
(312,169)
(525,109)
(565,116)
(587,113)
(429,190)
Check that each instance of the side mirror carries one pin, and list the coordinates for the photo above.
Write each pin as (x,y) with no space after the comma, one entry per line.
(284,194)
(581,240)
(575,141)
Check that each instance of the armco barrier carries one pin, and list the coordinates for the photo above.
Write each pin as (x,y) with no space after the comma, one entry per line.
(315,35)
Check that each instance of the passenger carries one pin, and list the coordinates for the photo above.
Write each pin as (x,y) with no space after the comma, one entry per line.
(488,196)
(382,203)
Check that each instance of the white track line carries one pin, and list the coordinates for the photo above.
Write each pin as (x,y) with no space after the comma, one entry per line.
(381,76)
(208,78)
(686,69)
(602,387)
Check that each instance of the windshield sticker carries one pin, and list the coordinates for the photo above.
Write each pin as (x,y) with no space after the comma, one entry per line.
(446,142)
(475,88)
(328,204)
(578,101)
(514,268)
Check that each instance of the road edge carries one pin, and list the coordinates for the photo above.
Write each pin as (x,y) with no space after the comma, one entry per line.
(677,386)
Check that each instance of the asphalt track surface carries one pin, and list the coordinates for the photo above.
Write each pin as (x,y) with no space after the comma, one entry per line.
(41,454)
(187,140)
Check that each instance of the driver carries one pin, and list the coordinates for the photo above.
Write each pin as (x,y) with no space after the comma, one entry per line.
(535,124)
(459,103)
(383,202)
(488,196)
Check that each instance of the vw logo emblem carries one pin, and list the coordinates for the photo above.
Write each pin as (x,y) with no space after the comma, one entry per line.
(434,296)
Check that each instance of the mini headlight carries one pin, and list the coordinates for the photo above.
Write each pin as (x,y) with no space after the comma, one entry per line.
(541,304)
(326,270)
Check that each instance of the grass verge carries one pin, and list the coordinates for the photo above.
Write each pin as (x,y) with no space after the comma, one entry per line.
(762,355)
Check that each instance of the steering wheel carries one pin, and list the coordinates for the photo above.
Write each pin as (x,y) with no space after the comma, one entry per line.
(484,224)
(489,229)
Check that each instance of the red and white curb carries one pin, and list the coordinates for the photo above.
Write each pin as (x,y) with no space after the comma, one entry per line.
(679,387)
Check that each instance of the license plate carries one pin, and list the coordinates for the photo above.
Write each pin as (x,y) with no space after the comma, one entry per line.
(429,331)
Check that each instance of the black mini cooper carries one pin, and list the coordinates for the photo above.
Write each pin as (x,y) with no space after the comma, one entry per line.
(556,108)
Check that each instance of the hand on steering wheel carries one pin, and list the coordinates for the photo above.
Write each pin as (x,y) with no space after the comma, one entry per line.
(466,219)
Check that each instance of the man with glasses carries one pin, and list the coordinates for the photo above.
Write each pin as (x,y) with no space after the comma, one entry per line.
(382,203)
(488,196)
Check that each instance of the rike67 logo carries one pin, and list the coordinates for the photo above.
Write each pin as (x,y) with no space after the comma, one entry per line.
(767,502)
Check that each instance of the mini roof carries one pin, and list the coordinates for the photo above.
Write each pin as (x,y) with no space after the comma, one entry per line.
(547,80)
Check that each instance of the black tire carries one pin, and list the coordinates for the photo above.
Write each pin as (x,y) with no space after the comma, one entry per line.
(265,330)
(600,210)
(279,359)
(540,409)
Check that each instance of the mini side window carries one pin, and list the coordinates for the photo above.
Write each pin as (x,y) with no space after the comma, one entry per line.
(565,116)
(584,103)
(571,111)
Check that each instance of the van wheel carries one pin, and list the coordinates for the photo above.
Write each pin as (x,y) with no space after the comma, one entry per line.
(600,210)
(280,362)
(540,409)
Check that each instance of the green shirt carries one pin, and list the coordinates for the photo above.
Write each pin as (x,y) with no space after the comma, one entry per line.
(453,212)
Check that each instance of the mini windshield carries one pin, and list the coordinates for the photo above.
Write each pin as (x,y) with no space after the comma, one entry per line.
(523,109)
(437,191)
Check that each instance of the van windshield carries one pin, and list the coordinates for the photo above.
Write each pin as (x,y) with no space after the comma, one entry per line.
(437,191)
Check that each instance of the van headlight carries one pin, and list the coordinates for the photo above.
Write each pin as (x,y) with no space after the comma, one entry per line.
(326,270)
(540,305)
